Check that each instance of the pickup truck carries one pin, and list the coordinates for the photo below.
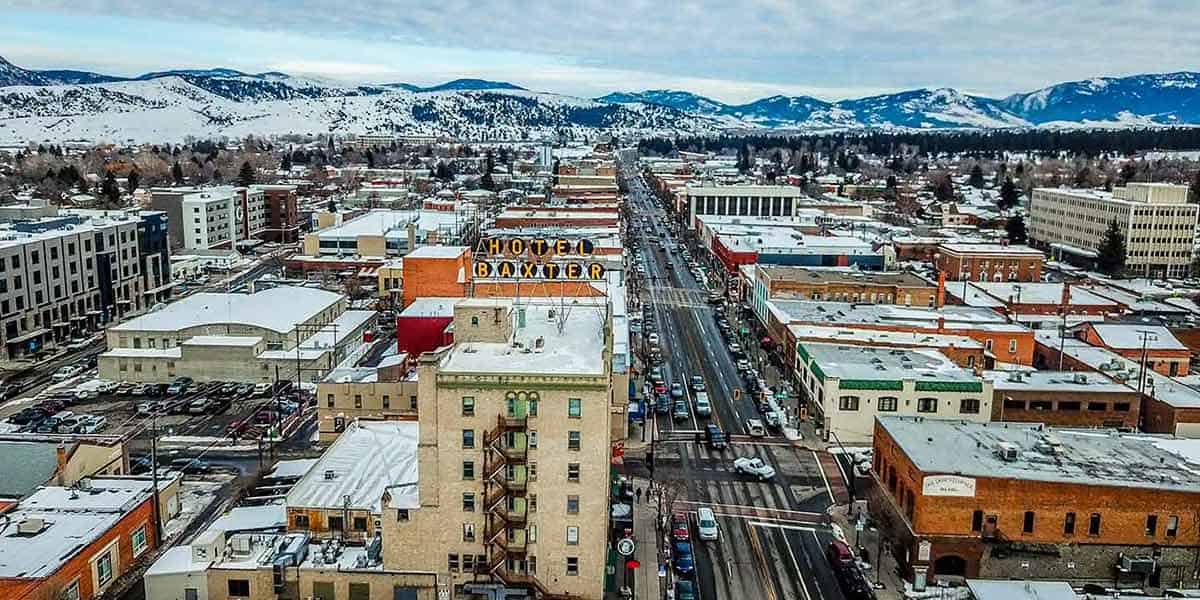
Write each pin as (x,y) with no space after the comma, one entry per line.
(755,467)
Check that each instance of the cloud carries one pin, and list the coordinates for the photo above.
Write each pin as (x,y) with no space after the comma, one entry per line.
(828,48)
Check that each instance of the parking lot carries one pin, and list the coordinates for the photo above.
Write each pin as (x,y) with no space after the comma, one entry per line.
(82,404)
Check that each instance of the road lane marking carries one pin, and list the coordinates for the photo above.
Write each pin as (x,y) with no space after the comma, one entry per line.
(796,564)
(821,470)
(760,562)
(781,526)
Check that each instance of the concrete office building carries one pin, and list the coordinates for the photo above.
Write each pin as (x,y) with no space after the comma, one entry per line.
(212,217)
(63,277)
(1156,219)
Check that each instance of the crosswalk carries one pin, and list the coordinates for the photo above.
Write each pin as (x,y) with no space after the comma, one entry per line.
(677,297)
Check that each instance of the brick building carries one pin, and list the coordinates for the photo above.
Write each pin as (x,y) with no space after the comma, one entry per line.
(1025,501)
(1165,354)
(1063,399)
(989,262)
(282,215)
(845,286)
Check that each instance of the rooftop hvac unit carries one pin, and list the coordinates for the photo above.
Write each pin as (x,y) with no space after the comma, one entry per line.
(240,544)
(31,526)
(1080,378)
(1007,451)
(330,474)
(1137,564)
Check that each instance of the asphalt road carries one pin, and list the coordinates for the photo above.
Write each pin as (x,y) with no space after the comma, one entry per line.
(772,534)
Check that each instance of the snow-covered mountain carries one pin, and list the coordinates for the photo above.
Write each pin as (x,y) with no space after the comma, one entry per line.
(57,105)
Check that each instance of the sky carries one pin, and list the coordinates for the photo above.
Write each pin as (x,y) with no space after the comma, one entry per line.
(728,50)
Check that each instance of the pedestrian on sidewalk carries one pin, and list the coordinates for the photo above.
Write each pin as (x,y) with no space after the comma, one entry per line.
(639,495)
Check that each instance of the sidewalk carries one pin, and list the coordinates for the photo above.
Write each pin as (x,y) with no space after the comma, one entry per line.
(646,582)
(883,572)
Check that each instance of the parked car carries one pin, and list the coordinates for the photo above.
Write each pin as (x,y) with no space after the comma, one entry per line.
(190,466)
(735,348)
(91,424)
(262,390)
(679,526)
(685,560)
(662,404)
(51,406)
(754,466)
(706,524)
(140,464)
(199,406)
(69,424)
(9,390)
(66,373)
(245,390)
(147,409)
(27,416)
(660,387)
(123,388)
(179,386)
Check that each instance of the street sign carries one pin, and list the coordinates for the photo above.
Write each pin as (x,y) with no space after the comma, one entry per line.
(626,546)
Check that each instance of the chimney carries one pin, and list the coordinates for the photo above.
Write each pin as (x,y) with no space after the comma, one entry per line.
(412,236)
(941,324)
(60,454)
(941,289)
(1066,295)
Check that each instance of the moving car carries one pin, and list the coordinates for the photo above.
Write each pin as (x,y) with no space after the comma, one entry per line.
(685,590)
(662,405)
(755,467)
(680,412)
(703,406)
(676,390)
(716,437)
(706,524)
(755,428)
(697,383)
(66,373)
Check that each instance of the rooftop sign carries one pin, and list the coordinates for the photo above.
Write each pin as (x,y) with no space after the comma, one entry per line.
(536,258)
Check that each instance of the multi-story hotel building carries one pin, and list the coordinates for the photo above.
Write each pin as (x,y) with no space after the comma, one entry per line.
(213,217)
(1156,219)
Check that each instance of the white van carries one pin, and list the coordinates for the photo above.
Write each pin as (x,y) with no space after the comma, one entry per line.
(703,407)
(755,428)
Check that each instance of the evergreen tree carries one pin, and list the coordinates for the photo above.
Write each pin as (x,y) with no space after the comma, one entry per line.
(285,164)
(110,191)
(245,176)
(443,172)
(943,190)
(370,159)
(1008,194)
(1110,258)
(486,182)
(891,182)
(133,181)
(1015,227)
(177,173)
(976,178)
(743,160)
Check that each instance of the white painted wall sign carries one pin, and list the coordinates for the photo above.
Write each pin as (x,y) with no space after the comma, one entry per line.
(948,485)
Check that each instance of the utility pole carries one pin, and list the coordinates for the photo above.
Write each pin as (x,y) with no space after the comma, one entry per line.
(1147,337)
(154,480)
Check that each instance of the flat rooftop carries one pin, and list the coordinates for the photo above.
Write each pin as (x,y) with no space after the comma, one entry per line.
(367,459)
(276,309)
(839,275)
(437,252)
(956,317)
(875,363)
(572,340)
(879,337)
(1035,293)
(1048,454)
(1053,381)
(992,249)
(768,191)
(1175,392)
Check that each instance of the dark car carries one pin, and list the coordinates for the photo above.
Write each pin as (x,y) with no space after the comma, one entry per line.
(662,405)
(190,466)
(679,526)
(8,390)
(29,415)
(91,361)
(51,406)
(715,437)
(685,590)
(685,561)
(140,464)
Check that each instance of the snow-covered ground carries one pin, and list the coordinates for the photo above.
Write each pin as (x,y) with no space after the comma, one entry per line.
(194,497)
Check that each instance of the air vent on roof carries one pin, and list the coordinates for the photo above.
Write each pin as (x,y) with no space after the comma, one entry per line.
(330,474)
(31,526)
(1007,451)
(1080,378)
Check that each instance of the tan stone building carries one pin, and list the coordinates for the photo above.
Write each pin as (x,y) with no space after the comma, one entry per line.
(382,393)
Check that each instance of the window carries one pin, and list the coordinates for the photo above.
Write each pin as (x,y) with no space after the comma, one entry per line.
(573,472)
(412,402)
(360,524)
(468,470)
(572,536)
(302,521)
(532,470)
(533,503)
(574,408)
(468,438)
(468,532)
(1027,526)
(468,406)
(1010,404)
(469,563)
(360,591)
(1172,526)
(572,565)
(387,401)
(1121,406)
(531,533)
(848,403)
(573,440)
(533,405)
(888,404)
(401,514)
(336,523)
(977,521)
(927,405)
(1097,406)
(239,588)
(572,505)
(468,501)
(474,321)
(532,437)
(1151,525)
(969,406)
(104,570)
(329,400)
(139,540)
(358,401)
(71,592)
(1069,406)
(1094,524)
(1012,346)
(452,563)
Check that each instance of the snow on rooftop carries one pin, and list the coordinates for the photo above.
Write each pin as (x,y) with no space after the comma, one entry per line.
(1016,250)
(1070,456)
(277,309)
(882,337)
(576,349)
(220,340)
(437,252)
(369,458)
(431,307)
(875,363)
(290,469)
(252,518)
(1130,337)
